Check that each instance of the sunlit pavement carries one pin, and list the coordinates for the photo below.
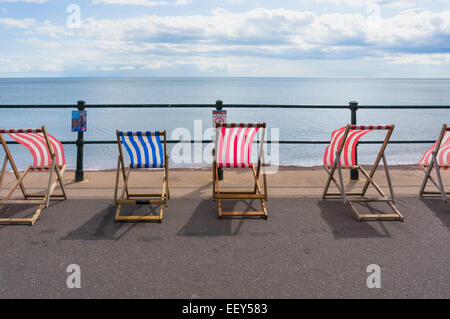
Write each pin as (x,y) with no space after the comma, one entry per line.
(308,248)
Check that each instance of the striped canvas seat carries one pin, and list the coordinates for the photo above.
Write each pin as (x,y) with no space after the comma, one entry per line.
(144,148)
(348,155)
(443,156)
(48,156)
(234,145)
(341,154)
(34,141)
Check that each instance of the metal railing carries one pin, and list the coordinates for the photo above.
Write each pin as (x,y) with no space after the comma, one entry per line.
(353,107)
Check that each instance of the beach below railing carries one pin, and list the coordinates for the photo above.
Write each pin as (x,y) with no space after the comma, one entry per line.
(288,181)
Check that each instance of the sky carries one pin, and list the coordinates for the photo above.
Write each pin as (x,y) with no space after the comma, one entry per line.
(272,38)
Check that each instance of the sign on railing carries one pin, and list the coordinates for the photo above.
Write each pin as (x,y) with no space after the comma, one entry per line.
(219,117)
(79,121)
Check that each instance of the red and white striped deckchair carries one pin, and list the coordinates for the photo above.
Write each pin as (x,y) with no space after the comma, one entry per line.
(438,156)
(341,154)
(233,149)
(48,156)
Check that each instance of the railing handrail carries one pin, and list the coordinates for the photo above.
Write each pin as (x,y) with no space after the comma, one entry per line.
(200,106)
(266,142)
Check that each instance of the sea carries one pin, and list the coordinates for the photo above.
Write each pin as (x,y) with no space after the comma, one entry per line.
(283,124)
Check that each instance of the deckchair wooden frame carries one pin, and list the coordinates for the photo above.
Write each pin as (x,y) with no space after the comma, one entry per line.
(256,194)
(360,197)
(428,170)
(127,198)
(42,200)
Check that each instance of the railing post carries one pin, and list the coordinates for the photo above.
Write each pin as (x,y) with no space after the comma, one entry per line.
(354,173)
(219,107)
(79,173)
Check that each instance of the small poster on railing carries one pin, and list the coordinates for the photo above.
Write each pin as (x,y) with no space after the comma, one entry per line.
(219,117)
(79,121)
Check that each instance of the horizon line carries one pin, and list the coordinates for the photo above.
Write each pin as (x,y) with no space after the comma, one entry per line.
(218,77)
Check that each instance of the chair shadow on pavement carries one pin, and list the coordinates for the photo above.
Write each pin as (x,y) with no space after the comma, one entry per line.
(341,220)
(205,221)
(24,211)
(439,208)
(103,227)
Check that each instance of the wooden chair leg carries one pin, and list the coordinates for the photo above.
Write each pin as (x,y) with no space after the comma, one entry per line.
(51,189)
(258,189)
(427,176)
(122,197)
(441,185)
(217,189)
(166,189)
(397,216)
(163,201)
(257,175)
(19,182)
(341,180)
(59,175)
(161,213)
(47,202)
(2,174)
(116,218)
(13,165)
(265,187)
(37,214)
(334,182)
(379,157)
(141,199)
(167,176)
(390,201)
(372,182)
(388,177)
(124,174)
(330,179)
(214,180)
(355,211)
(256,194)
(116,188)
(438,184)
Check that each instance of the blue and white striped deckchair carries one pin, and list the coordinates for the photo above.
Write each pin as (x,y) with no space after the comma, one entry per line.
(147,150)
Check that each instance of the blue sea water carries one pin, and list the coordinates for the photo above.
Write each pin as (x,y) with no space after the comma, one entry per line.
(292,124)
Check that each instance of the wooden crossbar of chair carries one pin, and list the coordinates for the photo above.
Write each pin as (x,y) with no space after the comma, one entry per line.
(259,191)
(351,198)
(131,199)
(43,200)
(429,169)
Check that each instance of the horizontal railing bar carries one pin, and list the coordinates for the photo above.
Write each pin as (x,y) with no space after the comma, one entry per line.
(189,106)
(403,107)
(338,106)
(267,142)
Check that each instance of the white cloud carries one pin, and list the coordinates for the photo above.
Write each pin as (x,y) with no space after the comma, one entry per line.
(381,3)
(9,23)
(148,3)
(365,3)
(415,59)
(27,1)
(228,42)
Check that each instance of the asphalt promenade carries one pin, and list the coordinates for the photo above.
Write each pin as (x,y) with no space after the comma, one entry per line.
(308,248)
